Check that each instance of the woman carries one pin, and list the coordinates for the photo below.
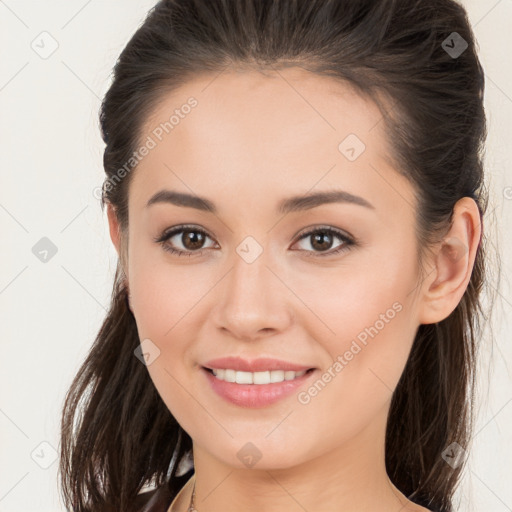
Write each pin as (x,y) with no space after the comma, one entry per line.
(295,192)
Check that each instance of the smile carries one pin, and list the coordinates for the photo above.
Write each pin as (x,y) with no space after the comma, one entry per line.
(265,377)
(256,389)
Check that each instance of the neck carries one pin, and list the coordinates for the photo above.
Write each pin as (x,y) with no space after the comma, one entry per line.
(350,478)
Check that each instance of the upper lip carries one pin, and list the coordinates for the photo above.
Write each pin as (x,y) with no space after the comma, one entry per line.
(254,365)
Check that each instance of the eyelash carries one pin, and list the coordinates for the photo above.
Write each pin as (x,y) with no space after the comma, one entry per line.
(166,235)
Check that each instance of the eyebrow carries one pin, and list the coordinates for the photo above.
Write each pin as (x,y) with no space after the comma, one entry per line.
(291,204)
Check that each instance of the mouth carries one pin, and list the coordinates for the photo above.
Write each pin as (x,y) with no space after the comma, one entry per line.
(256,389)
(256,378)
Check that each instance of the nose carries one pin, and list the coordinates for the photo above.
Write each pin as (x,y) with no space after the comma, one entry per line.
(252,300)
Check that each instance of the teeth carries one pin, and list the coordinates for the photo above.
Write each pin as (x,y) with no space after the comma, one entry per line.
(267,377)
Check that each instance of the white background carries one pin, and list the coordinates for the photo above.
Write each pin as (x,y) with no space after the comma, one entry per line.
(50,162)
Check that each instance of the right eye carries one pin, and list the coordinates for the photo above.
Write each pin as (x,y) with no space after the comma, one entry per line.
(190,237)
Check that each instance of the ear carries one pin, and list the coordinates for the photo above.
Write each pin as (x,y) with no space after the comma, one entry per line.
(115,234)
(453,262)
(115,231)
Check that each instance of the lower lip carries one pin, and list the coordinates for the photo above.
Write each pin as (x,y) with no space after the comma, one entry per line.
(255,395)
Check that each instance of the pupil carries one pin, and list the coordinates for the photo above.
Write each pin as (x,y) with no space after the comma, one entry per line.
(194,237)
(321,237)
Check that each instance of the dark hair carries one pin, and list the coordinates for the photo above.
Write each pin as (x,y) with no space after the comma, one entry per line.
(117,433)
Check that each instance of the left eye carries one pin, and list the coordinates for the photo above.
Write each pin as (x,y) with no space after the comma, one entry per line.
(321,237)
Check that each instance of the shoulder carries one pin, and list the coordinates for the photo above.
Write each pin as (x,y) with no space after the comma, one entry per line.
(156,500)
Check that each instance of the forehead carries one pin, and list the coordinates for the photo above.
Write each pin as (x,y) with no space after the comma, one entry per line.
(263,134)
(256,106)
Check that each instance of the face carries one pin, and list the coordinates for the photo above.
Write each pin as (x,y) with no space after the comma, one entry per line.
(324,285)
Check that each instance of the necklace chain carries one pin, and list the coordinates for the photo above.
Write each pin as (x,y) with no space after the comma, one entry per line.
(192,507)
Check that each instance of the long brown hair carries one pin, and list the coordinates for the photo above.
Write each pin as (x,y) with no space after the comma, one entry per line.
(117,433)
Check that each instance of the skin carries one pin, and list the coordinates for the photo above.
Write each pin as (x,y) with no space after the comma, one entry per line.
(252,140)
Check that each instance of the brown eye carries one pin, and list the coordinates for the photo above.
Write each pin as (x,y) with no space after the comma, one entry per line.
(322,239)
(191,239)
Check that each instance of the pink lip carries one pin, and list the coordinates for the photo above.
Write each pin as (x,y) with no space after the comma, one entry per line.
(254,395)
(256,365)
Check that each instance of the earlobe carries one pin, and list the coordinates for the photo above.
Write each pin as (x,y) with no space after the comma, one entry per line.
(453,260)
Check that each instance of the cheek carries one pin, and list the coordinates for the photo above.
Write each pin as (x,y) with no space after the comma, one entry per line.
(367,358)
(361,292)
(164,302)
(167,300)
(365,314)
(164,294)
